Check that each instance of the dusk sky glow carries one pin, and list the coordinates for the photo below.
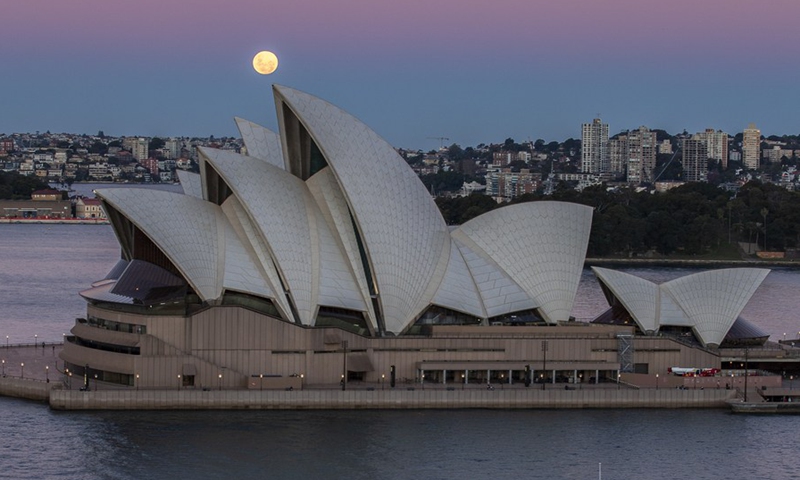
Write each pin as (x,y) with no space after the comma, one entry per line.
(471,71)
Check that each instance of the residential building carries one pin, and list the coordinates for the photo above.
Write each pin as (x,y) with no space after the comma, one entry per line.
(716,145)
(594,144)
(618,154)
(641,155)
(751,147)
(695,158)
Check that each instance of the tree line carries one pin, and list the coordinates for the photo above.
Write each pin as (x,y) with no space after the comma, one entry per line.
(693,219)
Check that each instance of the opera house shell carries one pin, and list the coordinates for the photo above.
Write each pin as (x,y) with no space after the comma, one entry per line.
(320,257)
(707,304)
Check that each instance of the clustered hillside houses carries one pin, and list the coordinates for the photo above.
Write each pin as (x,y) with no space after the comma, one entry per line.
(642,159)
(68,158)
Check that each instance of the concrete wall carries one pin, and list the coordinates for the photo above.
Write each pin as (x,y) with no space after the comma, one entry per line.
(25,388)
(388,399)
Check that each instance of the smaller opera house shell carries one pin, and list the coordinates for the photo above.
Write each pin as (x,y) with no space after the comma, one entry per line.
(319,257)
(704,306)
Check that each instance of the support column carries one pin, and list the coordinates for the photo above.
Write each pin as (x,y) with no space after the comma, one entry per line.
(509,376)
(554,377)
(597,376)
(444,376)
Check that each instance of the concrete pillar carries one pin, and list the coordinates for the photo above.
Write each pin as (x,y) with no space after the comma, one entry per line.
(554,377)
(488,376)
(597,376)
(574,376)
(509,376)
(466,377)
(444,376)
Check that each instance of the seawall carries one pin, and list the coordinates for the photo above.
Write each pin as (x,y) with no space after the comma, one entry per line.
(25,388)
(385,399)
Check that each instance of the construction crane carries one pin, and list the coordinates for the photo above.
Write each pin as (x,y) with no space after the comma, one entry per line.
(441,140)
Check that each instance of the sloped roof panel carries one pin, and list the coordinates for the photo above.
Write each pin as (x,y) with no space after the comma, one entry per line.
(332,205)
(275,200)
(636,294)
(261,143)
(541,245)
(243,225)
(499,294)
(458,290)
(241,273)
(714,299)
(402,230)
(185,229)
(191,183)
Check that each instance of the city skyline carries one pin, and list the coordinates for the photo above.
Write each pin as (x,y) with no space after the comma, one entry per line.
(415,71)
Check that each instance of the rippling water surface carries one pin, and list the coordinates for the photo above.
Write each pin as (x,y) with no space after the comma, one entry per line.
(630,444)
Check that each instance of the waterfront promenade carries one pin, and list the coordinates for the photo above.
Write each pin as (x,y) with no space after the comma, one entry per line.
(42,364)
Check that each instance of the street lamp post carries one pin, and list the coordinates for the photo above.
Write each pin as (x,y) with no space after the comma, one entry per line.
(463,381)
(6,342)
(746,372)
(544,364)
(344,364)
(47,373)
(383,376)
(4,367)
(179,381)
(22,370)
(95,382)
(261,383)
(220,381)
(137,381)
(35,340)
(656,381)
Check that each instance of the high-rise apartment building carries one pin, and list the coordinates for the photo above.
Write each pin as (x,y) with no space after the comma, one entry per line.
(751,147)
(618,154)
(642,148)
(716,145)
(139,147)
(695,156)
(594,144)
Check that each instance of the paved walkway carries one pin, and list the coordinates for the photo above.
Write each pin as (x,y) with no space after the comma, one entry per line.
(41,361)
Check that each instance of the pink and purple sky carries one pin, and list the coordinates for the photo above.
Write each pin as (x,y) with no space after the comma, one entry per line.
(476,72)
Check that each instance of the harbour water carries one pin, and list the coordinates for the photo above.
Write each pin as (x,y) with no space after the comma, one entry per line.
(43,267)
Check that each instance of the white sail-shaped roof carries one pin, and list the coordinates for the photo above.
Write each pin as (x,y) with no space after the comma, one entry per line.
(187,229)
(708,302)
(261,142)
(541,245)
(714,299)
(404,236)
(275,201)
(639,296)
(191,183)
(458,290)
(498,292)
(327,216)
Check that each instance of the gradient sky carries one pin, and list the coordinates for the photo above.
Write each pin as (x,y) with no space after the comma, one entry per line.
(476,72)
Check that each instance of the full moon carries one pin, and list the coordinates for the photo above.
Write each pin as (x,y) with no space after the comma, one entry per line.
(265,62)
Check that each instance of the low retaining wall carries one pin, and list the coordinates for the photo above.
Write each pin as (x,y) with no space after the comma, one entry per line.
(25,388)
(385,399)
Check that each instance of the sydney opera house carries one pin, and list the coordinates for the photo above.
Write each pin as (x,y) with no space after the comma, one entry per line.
(319,258)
